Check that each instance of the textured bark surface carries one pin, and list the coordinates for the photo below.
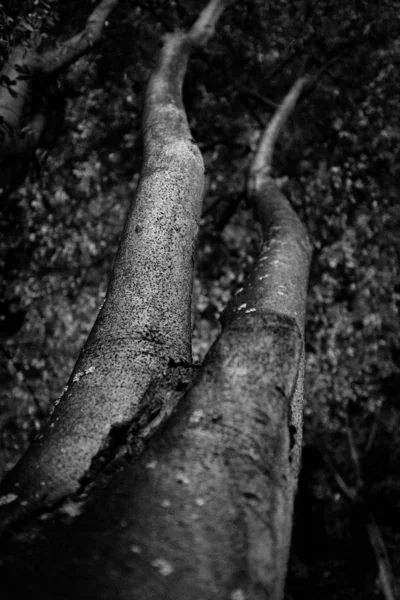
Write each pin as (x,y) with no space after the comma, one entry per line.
(281,275)
(142,337)
(206,512)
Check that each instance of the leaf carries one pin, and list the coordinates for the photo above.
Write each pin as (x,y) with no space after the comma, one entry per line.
(23,69)
(27,26)
(12,92)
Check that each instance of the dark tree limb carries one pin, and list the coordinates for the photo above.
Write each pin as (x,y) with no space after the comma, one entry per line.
(269,104)
(357,497)
(24,64)
(66,53)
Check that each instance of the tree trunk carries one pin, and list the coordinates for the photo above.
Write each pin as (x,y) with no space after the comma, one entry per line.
(206,510)
(137,360)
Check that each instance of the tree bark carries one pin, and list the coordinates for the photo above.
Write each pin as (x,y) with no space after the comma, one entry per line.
(137,359)
(206,510)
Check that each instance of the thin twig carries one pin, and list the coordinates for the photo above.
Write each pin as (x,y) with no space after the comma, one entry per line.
(262,99)
(372,432)
(382,558)
(353,452)
(346,490)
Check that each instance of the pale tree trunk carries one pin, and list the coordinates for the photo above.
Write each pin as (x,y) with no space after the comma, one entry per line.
(205,512)
(22,66)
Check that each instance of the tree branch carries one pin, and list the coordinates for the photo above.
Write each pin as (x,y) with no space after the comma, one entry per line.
(25,62)
(253,94)
(263,158)
(61,57)
(141,340)
(203,28)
